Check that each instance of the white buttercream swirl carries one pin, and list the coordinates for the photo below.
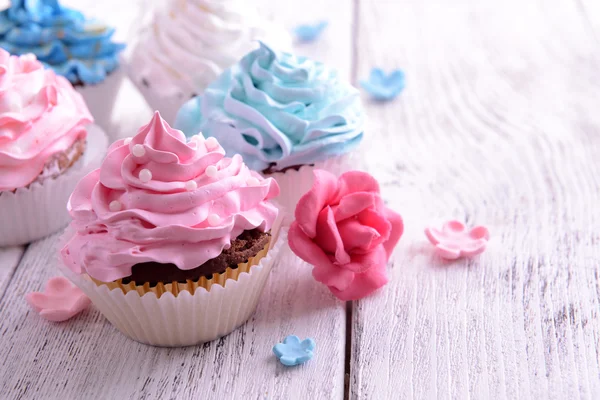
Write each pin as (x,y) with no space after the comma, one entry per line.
(188,44)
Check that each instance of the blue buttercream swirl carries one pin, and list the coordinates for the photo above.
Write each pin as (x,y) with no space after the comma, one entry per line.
(61,38)
(277,110)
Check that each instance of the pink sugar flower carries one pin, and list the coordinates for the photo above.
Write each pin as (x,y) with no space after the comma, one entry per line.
(344,229)
(454,240)
(60,301)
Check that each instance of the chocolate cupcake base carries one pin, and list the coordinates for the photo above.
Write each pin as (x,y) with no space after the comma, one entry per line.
(243,248)
(175,286)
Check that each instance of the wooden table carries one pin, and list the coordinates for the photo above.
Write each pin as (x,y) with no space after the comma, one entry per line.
(499,125)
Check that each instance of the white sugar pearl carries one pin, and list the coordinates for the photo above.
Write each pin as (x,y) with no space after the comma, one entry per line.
(145,175)
(211,171)
(191,185)
(211,143)
(115,206)
(126,141)
(138,150)
(253,181)
(213,219)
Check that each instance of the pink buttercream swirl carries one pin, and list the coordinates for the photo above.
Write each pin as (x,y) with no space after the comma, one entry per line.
(159,198)
(40,115)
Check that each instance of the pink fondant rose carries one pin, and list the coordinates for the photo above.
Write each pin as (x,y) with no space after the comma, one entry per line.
(343,228)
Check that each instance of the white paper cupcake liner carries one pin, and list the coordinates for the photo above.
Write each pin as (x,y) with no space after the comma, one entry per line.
(40,209)
(185,319)
(101,98)
(294,184)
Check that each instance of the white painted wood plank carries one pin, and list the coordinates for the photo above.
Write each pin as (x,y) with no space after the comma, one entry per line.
(87,358)
(590,10)
(498,125)
(9,259)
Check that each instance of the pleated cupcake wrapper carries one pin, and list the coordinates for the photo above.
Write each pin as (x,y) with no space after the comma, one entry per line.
(100,99)
(175,288)
(40,209)
(294,184)
(188,318)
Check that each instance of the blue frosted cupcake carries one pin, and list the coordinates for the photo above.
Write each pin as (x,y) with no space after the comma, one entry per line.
(284,114)
(80,49)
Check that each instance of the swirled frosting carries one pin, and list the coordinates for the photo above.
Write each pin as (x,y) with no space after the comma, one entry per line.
(40,115)
(63,39)
(277,110)
(188,45)
(159,198)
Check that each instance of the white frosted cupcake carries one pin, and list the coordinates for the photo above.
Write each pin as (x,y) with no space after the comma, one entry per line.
(46,145)
(187,44)
(171,240)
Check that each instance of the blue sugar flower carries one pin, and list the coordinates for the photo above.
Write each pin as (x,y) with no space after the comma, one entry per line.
(382,86)
(293,352)
(309,33)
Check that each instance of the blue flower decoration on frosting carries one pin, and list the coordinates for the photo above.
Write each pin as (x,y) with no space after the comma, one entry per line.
(310,32)
(293,351)
(382,86)
(277,110)
(61,38)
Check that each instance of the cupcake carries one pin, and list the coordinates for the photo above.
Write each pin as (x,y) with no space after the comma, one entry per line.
(187,44)
(44,148)
(77,48)
(283,114)
(172,241)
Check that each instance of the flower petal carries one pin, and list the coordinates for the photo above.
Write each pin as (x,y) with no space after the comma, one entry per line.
(308,208)
(58,286)
(292,340)
(363,262)
(377,220)
(397,228)
(352,204)
(328,238)
(333,276)
(364,284)
(433,234)
(305,248)
(36,300)
(358,237)
(355,181)
(448,251)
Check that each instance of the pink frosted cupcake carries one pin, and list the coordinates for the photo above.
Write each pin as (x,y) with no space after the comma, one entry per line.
(44,149)
(171,240)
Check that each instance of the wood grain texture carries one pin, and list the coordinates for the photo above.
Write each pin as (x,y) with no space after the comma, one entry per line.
(86,358)
(498,125)
(590,13)
(9,260)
